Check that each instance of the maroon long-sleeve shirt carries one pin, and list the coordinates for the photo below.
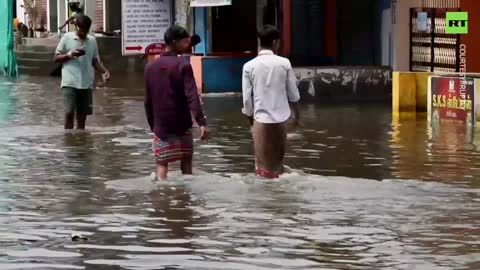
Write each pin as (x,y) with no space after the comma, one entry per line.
(171,96)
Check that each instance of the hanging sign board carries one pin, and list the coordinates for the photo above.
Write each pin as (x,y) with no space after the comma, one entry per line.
(210,3)
(144,23)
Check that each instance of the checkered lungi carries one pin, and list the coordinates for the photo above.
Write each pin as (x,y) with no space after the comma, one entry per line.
(173,148)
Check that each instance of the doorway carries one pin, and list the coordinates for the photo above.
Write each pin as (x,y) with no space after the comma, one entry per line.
(234,27)
(53,16)
(113,12)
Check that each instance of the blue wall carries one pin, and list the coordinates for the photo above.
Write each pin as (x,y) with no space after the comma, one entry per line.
(223,74)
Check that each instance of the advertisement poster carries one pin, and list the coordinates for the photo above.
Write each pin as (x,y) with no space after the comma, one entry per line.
(452,100)
(144,23)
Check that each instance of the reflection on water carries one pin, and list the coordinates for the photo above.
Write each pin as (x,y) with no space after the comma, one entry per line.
(326,215)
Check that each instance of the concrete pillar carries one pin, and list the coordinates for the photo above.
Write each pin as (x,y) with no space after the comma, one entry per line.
(404,92)
(181,13)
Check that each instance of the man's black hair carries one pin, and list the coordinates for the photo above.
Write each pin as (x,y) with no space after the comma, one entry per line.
(195,39)
(84,22)
(174,33)
(267,35)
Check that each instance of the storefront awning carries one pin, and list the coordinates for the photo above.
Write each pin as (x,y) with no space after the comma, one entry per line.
(210,3)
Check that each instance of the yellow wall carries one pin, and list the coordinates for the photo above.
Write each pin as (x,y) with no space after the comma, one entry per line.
(422,90)
(410,91)
(404,92)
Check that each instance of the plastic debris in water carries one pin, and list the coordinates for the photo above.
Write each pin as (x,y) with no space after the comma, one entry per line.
(294,136)
(153,177)
(78,237)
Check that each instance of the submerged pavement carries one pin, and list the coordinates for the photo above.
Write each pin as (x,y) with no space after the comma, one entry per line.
(365,194)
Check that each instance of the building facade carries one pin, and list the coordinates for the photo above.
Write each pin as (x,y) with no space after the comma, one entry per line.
(106,14)
(402,29)
(315,32)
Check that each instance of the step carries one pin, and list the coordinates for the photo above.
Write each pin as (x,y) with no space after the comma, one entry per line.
(48,42)
(28,48)
(48,56)
(36,68)
(31,62)
(23,70)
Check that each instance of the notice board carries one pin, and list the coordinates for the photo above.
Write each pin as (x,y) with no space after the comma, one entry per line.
(144,23)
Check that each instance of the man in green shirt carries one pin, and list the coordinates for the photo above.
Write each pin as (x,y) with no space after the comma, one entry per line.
(78,53)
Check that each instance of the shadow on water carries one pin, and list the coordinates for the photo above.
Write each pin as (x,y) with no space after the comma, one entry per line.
(423,214)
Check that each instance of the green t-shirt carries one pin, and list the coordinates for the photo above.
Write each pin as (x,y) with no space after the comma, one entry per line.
(78,72)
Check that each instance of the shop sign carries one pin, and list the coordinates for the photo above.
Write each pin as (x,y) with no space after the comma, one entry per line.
(155,49)
(452,100)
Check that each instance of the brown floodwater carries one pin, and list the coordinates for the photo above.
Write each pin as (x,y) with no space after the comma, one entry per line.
(368,192)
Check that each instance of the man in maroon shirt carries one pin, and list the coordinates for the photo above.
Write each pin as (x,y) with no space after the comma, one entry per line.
(171,99)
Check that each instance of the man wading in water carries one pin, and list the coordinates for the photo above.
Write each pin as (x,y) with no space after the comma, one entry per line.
(269,89)
(171,98)
(78,53)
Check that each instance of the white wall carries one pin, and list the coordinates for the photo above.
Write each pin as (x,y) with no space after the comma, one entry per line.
(61,11)
(401,34)
(386,37)
(20,11)
(90,10)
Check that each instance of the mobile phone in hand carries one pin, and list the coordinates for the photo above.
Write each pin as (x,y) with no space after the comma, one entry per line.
(81,51)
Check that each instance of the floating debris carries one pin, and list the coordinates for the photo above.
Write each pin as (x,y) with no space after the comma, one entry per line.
(78,237)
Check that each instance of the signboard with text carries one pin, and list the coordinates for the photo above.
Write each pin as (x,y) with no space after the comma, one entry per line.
(452,100)
(144,23)
(210,3)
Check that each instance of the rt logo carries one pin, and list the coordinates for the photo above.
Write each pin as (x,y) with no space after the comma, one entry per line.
(457,23)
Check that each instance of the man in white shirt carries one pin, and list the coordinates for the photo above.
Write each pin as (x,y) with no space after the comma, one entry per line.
(269,89)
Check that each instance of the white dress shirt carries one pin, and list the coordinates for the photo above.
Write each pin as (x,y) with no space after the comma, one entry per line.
(268,85)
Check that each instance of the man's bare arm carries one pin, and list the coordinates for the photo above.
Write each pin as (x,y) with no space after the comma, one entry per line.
(99,67)
(67,22)
(60,58)
(296,113)
(250,119)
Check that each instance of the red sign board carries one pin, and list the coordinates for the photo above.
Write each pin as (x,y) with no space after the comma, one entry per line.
(155,49)
(452,100)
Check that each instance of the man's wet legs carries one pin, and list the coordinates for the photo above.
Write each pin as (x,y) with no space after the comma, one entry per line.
(69,120)
(81,120)
(69,100)
(186,165)
(162,171)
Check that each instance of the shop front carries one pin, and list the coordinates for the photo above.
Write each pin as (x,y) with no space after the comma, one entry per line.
(228,30)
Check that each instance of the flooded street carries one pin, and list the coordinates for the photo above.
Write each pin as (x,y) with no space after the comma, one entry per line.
(333,213)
